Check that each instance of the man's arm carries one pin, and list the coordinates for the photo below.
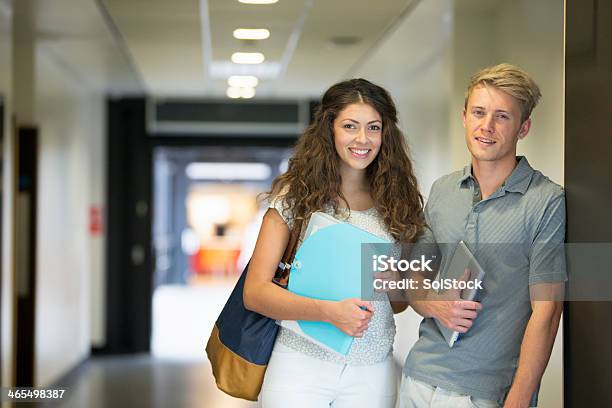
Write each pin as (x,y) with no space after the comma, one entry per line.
(536,347)
(547,259)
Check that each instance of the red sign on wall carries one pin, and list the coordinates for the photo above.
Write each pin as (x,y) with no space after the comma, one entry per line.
(95,220)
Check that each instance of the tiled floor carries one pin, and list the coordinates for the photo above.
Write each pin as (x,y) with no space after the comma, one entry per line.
(176,374)
(183,317)
(144,381)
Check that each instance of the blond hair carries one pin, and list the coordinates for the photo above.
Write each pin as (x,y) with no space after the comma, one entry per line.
(512,80)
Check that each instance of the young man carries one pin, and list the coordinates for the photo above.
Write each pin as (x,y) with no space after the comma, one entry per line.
(513,219)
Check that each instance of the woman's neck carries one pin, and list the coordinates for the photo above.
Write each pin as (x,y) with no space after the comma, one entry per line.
(353,179)
(356,189)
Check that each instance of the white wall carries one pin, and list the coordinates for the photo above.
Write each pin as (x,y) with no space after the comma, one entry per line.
(97,197)
(426,62)
(537,46)
(414,63)
(71,121)
(6,267)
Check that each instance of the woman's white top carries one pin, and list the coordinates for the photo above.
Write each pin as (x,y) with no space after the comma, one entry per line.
(377,342)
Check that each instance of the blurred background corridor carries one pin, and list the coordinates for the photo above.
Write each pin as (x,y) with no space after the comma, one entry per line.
(137,134)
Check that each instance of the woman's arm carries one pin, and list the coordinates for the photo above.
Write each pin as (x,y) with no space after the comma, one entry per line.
(264,297)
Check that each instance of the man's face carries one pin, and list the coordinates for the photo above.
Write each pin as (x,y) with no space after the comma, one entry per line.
(492,122)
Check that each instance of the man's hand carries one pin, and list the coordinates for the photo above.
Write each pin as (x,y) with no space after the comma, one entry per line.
(516,401)
(448,308)
(457,315)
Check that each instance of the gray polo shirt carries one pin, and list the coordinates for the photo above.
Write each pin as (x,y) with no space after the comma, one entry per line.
(509,233)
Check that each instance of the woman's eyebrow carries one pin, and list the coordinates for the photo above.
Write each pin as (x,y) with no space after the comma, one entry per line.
(357,122)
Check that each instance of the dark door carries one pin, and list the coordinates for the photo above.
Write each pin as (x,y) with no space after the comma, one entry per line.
(25,261)
(1,205)
(130,263)
(588,182)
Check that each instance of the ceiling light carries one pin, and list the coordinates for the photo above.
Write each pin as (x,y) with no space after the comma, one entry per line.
(258,1)
(251,33)
(236,92)
(247,93)
(243,81)
(228,171)
(248,58)
(233,92)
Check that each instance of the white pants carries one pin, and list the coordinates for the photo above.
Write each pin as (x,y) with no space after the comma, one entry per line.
(296,380)
(417,394)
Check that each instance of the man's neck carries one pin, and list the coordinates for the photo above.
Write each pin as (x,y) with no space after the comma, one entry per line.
(492,174)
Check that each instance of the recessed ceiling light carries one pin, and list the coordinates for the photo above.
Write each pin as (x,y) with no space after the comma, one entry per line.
(248,58)
(236,92)
(233,92)
(243,81)
(251,33)
(258,1)
(247,93)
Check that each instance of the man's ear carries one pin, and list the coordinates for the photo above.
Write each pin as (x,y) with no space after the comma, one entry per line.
(463,118)
(524,128)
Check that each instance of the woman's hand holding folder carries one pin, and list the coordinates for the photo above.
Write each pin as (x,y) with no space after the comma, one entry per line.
(352,316)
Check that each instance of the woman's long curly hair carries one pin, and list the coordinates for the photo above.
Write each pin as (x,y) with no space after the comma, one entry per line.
(312,181)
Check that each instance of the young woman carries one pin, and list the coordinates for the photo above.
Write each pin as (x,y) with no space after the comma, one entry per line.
(352,163)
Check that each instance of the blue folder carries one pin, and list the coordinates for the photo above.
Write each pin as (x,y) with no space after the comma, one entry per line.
(327,266)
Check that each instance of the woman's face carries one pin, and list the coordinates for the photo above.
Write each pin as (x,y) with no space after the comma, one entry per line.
(357,135)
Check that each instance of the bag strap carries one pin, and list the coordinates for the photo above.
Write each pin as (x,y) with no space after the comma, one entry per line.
(281,277)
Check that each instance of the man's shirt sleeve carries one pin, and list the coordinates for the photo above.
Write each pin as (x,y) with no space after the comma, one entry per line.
(547,256)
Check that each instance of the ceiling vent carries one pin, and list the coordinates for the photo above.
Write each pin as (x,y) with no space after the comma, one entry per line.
(221,117)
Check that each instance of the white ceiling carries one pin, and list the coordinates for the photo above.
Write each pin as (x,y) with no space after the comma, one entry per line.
(77,36)
(183,47)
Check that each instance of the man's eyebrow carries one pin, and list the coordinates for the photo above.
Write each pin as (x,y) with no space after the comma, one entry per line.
(496,111)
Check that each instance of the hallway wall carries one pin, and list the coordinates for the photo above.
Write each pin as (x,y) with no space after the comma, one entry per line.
(6,274)
(71,118)
(75,64)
